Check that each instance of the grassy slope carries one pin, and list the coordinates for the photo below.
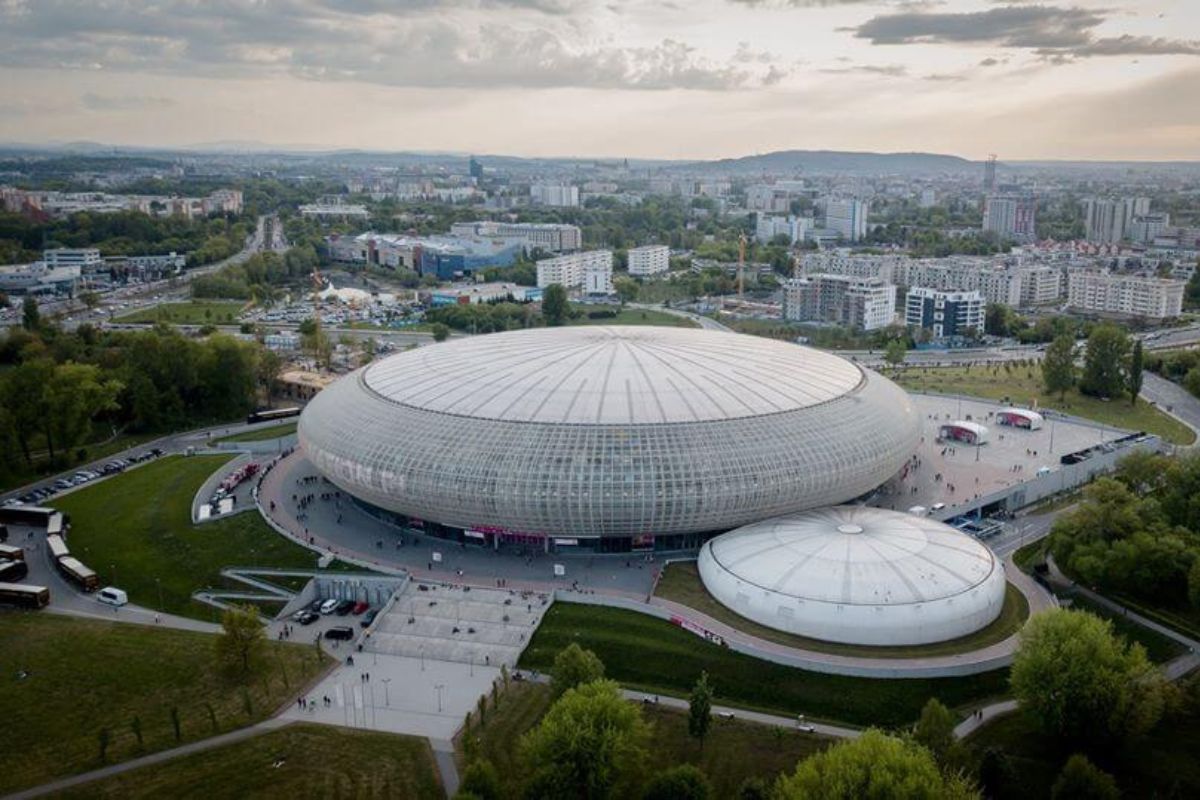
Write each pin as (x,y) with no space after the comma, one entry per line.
(41,467)
(652,654)
(1163,764)
(261,435)
(681,582)
(139,523)
(192,312)
(735,749)
(636,316)
(317,761)
(1023,385)
(85,675)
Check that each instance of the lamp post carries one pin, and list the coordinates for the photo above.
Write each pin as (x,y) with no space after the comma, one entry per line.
(439,687)
(387,698)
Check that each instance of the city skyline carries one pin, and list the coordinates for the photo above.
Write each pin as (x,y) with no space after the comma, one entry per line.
(1080,79)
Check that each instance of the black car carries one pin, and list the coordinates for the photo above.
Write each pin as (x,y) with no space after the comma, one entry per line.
(344,608)
(369,617)
(315,605)
(340,632)
(305,617)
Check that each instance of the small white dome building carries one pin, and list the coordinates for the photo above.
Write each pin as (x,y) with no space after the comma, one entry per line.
(856,575)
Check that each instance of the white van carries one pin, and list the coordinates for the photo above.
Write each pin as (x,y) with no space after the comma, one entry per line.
(329,606)
(112,596)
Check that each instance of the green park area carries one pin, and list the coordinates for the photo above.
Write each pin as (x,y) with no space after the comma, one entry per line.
(298,761)
(1021,384)
(734,750)
(681,583)
(21,473)
(191,312)
(70,685)
(652,655)
(1162,764)
(260,435)
(633,316)
(135,530)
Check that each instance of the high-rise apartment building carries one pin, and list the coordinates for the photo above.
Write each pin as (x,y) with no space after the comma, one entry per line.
(1111,220)
(847,218)
(572,270)
(651,259)
(945,314)
(1125,295)
(1011,216)
(554,194)
(860,303)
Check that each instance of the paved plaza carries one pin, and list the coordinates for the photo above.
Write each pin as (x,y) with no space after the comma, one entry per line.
(954,473)
(420,697)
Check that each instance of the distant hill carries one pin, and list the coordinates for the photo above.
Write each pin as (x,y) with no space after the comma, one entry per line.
(825,161)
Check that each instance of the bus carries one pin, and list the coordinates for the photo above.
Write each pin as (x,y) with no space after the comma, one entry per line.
(74,570)
(17,594)
(12,571)
(272,414)
(56,547)
(34,516)
(10,553)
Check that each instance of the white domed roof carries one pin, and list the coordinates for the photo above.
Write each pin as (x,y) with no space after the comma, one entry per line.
(855,554)
(856,574)
(612,375)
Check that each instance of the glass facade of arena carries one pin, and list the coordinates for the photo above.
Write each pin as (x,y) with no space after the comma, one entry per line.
(638,482)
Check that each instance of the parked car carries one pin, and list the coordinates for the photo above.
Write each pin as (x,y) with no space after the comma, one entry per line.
(343,608)
(305,617)
(369,617)
(329,606)
(112,596)
(359,608)
(341,632)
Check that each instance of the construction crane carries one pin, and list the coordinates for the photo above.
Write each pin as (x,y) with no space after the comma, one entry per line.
(741,266)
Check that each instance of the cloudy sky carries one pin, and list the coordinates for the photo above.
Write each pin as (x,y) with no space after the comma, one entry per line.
(1117,79)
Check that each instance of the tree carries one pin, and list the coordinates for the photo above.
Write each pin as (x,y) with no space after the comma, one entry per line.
(31,316)
(895,352)
(240,645)
(874,766)
(684,782)
(554,304)
(1104,362)
(935,729)
(1058,366)
(481,780)
(1194,584)
(1136,378)
(1082,683)
(1082,780)
(90,299)
(700,709)
(440,332)
(574,666)
(591,744)
(627,289)
(267,371)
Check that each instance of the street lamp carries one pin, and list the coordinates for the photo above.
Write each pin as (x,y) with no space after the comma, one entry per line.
(422,659)
(439,688)
(387,698)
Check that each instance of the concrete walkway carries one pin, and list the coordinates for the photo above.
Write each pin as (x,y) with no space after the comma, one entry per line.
(154,758)
(678,703)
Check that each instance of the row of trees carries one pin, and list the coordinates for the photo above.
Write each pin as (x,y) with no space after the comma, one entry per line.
(260,276)
(62,389)
(1135,532)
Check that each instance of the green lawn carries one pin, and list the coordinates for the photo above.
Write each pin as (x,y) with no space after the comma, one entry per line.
(1183,620)
(1159,648)
(260,435)
(650,654)
(634,316)
(300,761)
(86,675)
(735,749)
(1163,764)
(1023,385)
(681,582)
(135,530)
(191,312)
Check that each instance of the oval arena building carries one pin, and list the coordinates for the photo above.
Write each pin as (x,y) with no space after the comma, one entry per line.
(856,575)
(607,437)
